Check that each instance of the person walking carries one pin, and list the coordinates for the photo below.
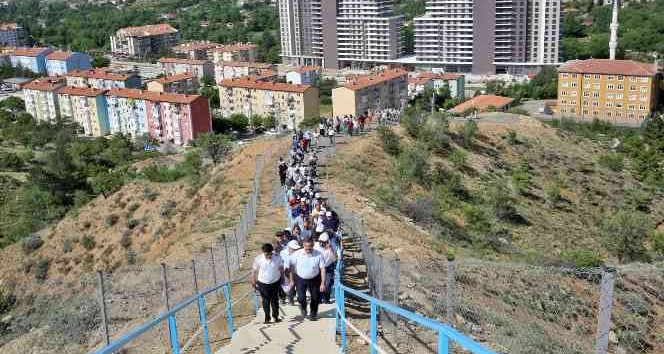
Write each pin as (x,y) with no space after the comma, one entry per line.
(283,169)
(266,275)
(330,134)
(286,253)
(307,272)
(325,247)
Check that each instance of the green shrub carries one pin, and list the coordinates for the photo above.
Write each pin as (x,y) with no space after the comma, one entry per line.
(149,194)
(131,257)
(391,141)
(511,137)
(658,242)
(31,243)
(168,209)
(88,242)
(614,162)
(553,192)
(71,322)
(111,220)
(521,179)
(583,258)
(7,299)
(411,165)
(458,158)
(41,271)
(476,219)
(624,234)
(132,223)
(162,174)
(310,122)
(413,121)
(469,131)
(500,201)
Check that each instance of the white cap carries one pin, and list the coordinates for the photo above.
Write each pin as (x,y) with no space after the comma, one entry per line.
(294,245)
(329,213)
(324,237)
(317,195)
(287,229)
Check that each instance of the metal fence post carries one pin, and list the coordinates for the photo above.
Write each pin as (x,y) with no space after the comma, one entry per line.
(228,264)
(193,274)
(374,327)
(102,306)
(229,309)
(605,308)
(172,322)
(164,284)
(449,296)
(202,316)
(237,249)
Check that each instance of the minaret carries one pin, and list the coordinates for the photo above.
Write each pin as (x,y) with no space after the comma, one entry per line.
(613,42)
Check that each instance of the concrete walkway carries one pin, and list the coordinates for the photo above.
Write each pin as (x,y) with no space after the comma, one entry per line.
(292,336)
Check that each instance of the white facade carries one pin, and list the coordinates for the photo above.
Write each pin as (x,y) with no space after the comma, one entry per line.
(127,116)
(42,105)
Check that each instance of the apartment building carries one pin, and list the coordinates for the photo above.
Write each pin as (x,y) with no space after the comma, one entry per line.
(289,104)
(488,36)
(388,89)
(615,91)
(167,117)
(243,52)
(455,83)
(103,79)
(233,69)
(202,50)
(5,59)
(329,34)
(11,35)
(304,75)
(143,41)
(62,62)
(200,68)
(180,83)
(85,106)
(33,59)
(41,98)
(417,85)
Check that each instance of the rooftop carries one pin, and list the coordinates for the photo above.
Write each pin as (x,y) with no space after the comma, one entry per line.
(182,61)
(361,82)
(440,76)
(250,82)
(31,52)
(236,47)
(246,64)
(609,67)
(101,73)
(148,31)
(153,96)
(59,55)
(175,78)
(44,84)
(204,45)
(419,80)
(80,91)
(8,26)
(482,103)
(306,69)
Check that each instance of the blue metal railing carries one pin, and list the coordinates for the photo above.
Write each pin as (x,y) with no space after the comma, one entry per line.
(171,317)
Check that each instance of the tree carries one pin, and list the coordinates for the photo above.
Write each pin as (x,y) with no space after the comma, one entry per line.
(215,146)
(13,103)
(469,131)
(100,62)
(108,182)
(624,235)
(239,122)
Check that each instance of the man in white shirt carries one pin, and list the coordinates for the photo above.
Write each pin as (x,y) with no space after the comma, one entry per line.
(325,247)
(293,246)
(266,275)
(307,272)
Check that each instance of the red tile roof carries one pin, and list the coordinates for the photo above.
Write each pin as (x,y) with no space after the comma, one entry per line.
(483,102)
(80,91)
(44,84)
(440,76)
(306,69)
(183,61)
(59,55)
(101,73)
(361,82)
(149,30)
(246,64)
(175,78)
(250,82)
(236,47)
(8,26)
(609,67)
(185,47)
(419,80)
(31,52)
(153,96)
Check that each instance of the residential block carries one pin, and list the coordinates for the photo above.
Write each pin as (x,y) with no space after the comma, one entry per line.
(62,62)
(245,52)
(180,83)
(103,79)
(304,75)
(364,94)
(144,41)
(12,35)
(85,106)
(41,98)
(33,59)
(225,70)
(199,68)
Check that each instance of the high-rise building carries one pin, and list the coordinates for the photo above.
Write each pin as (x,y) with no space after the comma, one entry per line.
(329,33)
(144,41)
(488,36)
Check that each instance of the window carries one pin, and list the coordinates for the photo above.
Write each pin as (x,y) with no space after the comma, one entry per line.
(573,84)
(611,77)
(610,87)
(595,113)
(565,75)
(585,111)
(586,103)
(642,107)
(565,84)
(632,87)
(645,79)
(595,104)
(631,106)
(563,110)
(563,93)
(618,105)
(632,79)
(644,98)
(620,78)
(596,94)
(644,88)
(586,76)
(619,96)
(574,76)
(609,104)
(586,94)
(621,87)
(596,77)
(608,114)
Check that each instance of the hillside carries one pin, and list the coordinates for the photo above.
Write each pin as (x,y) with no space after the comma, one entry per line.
(513,206)
(141,225)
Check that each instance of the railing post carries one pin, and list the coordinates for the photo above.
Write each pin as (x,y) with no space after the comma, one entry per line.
(374,326)
(228,263)
(237,249)
(256,303)
(193,275)
(102,306)
(164,285)
(605,308)
(204,325)
(173,330)
(229,308)
(443,343)
(342,305)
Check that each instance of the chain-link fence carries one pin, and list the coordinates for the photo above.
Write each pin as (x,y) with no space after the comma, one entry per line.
(131,295)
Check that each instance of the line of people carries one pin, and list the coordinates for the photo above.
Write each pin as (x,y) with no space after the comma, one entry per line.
(302,258)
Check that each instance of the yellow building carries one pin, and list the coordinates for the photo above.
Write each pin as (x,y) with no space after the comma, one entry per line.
(388,89)
(289,104)
(616,91)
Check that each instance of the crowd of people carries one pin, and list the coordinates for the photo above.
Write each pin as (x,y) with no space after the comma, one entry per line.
(302,258)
